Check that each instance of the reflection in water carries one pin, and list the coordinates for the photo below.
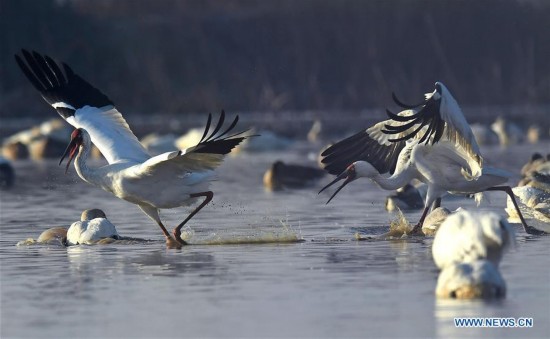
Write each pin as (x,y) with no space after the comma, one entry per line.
(84,261)
(411,254)
(159,263)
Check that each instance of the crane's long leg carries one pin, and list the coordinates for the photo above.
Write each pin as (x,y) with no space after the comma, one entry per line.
(432,207)
(170,242)
(528,229)
(208,197)
(418,226)
(436,204)
(164,230)
(153,213)
(432,198)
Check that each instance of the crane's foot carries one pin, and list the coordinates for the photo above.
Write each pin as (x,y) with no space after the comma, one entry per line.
(417,230)
(173,244)
(177,236)
(533,231)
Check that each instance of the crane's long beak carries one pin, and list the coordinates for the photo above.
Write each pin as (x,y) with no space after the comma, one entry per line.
(348,174)
(71,150)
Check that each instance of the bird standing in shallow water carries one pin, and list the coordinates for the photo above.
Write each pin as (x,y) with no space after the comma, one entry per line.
(169,180)
(439,166)
(440,151)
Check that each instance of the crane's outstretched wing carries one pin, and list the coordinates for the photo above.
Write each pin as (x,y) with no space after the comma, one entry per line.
(437,117)
(206,155)
(368,145)
(83,106)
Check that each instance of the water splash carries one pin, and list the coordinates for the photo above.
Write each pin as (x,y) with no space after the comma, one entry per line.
(399,229)
(283,234)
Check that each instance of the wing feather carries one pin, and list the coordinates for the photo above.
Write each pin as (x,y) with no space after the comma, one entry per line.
(110,133)
(438,118)
(206,155)
(450,159)
(61,89)
(83,106)
(368,145)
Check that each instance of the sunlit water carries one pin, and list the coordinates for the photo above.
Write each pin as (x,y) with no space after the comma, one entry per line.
(330,285)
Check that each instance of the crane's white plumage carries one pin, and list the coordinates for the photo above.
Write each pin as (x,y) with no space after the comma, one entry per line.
(467,236)
(478,279)
(185,161)
(441,166)
(437,118)
(168,180)
(110,133)
(430,141)
(457,129)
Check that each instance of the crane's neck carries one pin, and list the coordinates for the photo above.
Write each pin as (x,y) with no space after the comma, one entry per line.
(397,180)
(87,174)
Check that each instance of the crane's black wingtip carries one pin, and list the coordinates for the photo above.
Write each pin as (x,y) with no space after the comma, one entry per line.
(403,105)
(57,86)
(19,56)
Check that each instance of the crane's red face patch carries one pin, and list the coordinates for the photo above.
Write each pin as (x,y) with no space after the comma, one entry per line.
(72,148)
(76,133)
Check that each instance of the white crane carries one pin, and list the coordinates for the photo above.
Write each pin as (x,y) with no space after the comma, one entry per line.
(441,152)
(438,117)
(441,167)
(169,180)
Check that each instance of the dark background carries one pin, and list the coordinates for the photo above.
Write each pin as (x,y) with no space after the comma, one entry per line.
(172,56)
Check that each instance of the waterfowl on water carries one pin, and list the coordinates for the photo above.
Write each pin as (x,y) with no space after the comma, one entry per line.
(93,226)
(281,175)
(467,236)
(478,279)
(7,174)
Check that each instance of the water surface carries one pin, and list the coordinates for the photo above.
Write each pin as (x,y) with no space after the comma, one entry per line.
(328,286)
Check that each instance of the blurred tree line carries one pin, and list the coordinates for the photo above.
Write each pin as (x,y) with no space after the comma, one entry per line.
(250,55)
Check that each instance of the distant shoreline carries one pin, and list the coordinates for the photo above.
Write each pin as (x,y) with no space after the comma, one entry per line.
(295,123)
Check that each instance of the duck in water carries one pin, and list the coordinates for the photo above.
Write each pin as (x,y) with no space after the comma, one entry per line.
(93,226)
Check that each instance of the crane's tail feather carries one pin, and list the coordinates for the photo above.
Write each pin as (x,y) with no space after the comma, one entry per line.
(219,143)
